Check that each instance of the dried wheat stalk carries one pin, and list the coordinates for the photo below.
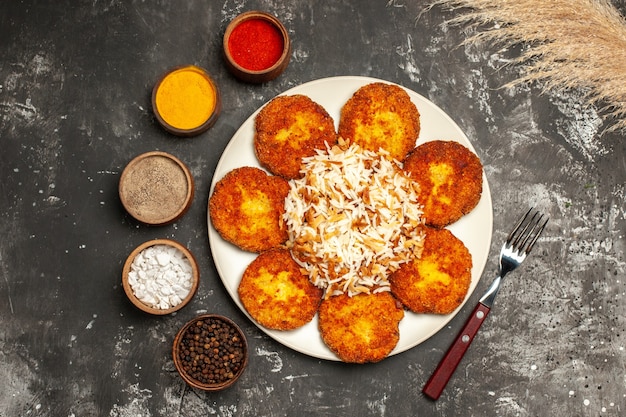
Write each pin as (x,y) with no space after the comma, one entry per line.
(569,44)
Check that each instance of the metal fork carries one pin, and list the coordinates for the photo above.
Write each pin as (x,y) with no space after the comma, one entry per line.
(517,246)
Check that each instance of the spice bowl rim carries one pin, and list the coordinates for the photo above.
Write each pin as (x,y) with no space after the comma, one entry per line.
(207,123)
(188,178)
(195,280)
(267,74)
(179,367)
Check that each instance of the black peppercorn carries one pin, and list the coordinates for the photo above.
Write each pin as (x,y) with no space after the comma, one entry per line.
(211,351)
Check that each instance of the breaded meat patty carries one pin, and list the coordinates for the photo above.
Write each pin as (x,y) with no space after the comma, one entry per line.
(276,293)
(246,209)
(381,115)
(362,328)
(450,178)
(437,282)
(288,129)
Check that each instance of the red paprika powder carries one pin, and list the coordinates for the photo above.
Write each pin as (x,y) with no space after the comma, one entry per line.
(255,44)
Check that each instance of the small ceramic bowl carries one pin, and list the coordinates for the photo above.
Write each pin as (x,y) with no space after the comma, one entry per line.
(253,64)
(156,188)
(159,266)
(186,101)
(210,352)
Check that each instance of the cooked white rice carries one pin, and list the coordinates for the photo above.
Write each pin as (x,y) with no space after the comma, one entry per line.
(353,219)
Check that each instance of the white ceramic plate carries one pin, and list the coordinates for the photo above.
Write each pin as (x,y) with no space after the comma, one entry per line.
(473,229)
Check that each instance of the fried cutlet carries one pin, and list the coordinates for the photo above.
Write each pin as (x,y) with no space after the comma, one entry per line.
(276,293)
(438,281)
(246,209)
(450,178)
(289,128)
(362,328)
(381,115)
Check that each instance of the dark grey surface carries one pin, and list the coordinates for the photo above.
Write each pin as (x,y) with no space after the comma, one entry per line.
(75,79)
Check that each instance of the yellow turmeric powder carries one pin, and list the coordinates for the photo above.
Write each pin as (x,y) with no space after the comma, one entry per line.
(186,98)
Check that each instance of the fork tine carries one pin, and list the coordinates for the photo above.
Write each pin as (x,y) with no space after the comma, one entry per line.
(527,231)
(538,231)
(509,238)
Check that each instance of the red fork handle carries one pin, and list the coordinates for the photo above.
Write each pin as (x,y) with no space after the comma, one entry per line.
(438,380)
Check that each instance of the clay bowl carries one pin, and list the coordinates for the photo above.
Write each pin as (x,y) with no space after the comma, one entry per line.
(132,293)
(202,85)
(256,75)
(156,188)
(231,342)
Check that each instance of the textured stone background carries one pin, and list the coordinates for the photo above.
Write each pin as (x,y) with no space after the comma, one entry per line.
(75,79)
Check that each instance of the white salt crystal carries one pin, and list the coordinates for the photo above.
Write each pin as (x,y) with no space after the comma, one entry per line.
(163,258)
(160,276)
